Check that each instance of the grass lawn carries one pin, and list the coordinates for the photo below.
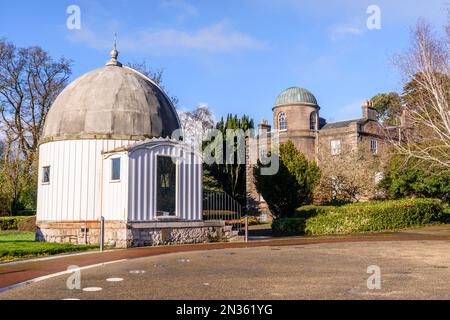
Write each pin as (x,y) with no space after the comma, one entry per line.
(16,245)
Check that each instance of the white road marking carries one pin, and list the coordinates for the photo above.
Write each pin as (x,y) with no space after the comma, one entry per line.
(137,271)
(114,279)
(21,284)
(68,299)
(92,289)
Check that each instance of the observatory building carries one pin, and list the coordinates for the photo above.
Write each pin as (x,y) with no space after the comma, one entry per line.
(296,118)
(106,154)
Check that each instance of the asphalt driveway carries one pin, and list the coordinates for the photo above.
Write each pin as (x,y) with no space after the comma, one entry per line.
(409,270)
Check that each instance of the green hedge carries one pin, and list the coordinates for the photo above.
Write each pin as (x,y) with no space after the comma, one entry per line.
(11,223)
(447,214)
(360,217)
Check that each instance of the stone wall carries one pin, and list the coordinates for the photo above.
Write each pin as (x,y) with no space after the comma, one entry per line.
(163,233)
(82,232)
(125,235)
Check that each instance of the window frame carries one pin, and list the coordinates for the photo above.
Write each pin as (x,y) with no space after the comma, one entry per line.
(44,168)
(112,178)
(374,142)
(333,150)
(282,114)
(313,120)
(176,214)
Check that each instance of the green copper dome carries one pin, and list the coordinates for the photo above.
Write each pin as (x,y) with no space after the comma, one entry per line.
(295,95)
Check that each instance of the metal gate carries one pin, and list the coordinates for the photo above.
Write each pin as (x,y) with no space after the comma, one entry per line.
(219,206)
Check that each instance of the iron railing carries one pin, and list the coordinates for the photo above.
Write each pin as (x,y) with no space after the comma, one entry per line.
(220,206)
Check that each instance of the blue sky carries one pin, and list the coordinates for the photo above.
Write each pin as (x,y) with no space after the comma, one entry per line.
(235,55)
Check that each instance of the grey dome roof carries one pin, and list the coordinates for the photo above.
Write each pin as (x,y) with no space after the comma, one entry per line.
(295,95)
(112,102)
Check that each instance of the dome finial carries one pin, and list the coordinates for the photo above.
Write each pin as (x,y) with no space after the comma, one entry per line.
(114,54)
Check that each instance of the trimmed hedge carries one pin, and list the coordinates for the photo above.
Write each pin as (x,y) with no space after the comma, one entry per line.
(360,217)
(13,223)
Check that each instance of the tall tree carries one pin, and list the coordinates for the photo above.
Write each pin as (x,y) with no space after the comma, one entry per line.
(388,106)
(426,66)
(293,184)
(231,173)
(30,81)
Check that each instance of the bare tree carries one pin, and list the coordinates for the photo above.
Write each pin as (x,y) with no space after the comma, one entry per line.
(143,67)
(195,124)
(426,67)
(29,83)
(154,74)
(352,175)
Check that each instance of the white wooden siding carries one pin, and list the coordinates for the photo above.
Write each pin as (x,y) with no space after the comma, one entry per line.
(115,193)
(73,193)
(142,182)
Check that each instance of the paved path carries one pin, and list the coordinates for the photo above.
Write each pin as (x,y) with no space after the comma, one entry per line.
(11,274)
(408,270)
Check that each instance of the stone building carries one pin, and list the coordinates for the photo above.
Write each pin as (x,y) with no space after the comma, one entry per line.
(296,117)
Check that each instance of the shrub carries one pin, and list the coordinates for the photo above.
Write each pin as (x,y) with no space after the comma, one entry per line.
(11,223)
(291,186)
(409,179)
(360,217)
(446,218)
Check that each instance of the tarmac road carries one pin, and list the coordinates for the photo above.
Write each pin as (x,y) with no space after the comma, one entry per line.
(409,270)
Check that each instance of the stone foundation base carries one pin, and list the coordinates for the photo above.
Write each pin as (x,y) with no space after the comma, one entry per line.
(134,234)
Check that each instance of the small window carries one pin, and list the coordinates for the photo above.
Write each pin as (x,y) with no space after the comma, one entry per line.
(46,174)
(115,169)
(335,147)
(313,121)
(282,121)
(374,146)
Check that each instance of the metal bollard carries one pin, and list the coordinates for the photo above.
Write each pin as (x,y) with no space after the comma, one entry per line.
(102,233)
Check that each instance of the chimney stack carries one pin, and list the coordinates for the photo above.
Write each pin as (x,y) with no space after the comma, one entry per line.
(368,111)
(264,125)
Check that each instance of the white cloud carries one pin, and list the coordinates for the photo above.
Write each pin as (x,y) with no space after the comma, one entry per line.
(341,30)
(87,36)
(185,8)
(215,38)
